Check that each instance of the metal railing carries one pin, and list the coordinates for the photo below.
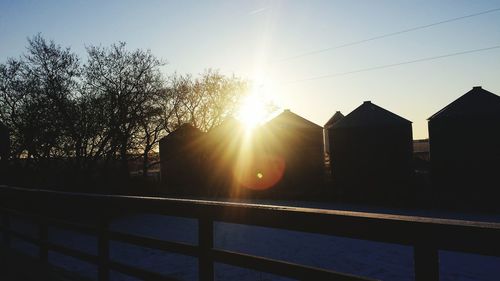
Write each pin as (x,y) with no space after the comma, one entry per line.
(58,209)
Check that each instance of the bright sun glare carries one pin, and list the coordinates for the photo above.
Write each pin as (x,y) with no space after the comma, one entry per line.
(252,111)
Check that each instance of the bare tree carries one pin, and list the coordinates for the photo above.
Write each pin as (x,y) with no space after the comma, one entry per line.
(116,106)
(206,101)
(11,98)
(126,82)
(36,96)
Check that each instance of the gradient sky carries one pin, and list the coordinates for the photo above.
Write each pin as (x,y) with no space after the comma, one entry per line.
(250,39)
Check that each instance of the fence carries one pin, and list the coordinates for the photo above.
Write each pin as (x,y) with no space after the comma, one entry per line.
(58,209)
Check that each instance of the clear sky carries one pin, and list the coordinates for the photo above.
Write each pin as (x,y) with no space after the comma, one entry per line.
(251,39)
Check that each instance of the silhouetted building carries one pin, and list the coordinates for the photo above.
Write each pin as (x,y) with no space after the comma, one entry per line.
(222,147)
(372,154)
(295,146)
(465,149)
(327,135)
(421,156)
(181,159)
(421,149)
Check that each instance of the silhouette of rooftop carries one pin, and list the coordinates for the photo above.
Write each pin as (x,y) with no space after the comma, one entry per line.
(289,119)
(369,114)
(336,117)
(476,102)
(229,123)
(185,129)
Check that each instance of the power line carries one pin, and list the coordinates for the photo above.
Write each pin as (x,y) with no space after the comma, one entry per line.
(386,35)
(393,64)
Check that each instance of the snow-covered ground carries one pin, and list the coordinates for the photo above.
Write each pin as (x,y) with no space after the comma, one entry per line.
(372,259)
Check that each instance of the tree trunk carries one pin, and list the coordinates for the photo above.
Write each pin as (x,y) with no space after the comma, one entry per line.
(145,163)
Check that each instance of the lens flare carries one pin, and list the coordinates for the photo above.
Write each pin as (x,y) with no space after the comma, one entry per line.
(260,172)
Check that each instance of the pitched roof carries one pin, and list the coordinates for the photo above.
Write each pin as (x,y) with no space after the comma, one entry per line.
(228,129)
(288,119)
(370,115)
(229,125)
(476,102)
(184,130)
(336,117)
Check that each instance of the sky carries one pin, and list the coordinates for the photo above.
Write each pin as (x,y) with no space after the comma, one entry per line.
(260,41)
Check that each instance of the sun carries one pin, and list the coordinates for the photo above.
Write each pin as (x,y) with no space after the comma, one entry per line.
(252,111)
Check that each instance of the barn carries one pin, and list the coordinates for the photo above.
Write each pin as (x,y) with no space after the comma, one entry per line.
(464,139)
(327,135)
(180,160)
(222,150)
(372,154)
(295,145)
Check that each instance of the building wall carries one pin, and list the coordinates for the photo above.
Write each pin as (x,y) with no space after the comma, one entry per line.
(302,151)
(465,158)
(221,151)
(180,167)
(372,164)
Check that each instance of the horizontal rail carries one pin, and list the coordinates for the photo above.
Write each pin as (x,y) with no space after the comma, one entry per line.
(21,236)
(78,227)
(168,246)
(426,235)
(73,252)
(53,246)
(123,268)
(138,272)
(282,268)
(237,259)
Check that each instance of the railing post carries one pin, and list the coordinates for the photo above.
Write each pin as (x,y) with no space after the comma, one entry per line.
(103,249)
(43,239)
(6,228)
(426,259)
(206,244)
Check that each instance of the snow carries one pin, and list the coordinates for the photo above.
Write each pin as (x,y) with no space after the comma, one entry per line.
(371,259)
